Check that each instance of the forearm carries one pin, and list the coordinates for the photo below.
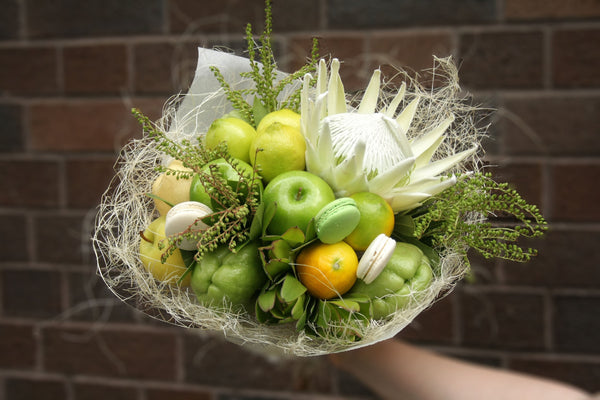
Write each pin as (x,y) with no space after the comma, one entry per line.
(395,370)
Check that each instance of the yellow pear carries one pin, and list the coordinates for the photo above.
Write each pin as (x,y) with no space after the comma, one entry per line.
(150,255)
(171,189)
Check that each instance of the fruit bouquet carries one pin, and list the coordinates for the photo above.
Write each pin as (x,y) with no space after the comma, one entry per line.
(288,215)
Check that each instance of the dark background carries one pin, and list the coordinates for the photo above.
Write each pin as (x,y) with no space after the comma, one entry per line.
(69,73)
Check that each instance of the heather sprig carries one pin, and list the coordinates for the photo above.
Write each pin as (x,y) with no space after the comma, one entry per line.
(263,72)
(458,219)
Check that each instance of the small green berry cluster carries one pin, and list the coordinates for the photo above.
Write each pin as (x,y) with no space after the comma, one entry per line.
(458,219)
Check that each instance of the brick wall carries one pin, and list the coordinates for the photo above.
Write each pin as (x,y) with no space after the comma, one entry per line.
(71,70)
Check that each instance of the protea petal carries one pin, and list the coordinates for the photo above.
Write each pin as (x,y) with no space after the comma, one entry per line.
(369,100)
(425,146)
(385,181)
(424,142)
(400,137)
(336,97)
(437,167)
(390,110)
(433,185)
(406,201)
(368,149)
(406,116)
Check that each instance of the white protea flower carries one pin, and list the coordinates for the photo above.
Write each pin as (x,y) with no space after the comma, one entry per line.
(367,149)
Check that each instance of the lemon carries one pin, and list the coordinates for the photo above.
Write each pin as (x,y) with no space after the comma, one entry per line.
(284,116)
(238,135)
(327,270)
(376,217)
(277,149)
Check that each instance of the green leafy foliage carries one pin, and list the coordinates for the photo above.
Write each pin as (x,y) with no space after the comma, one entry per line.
(239,202)
(458,219)
(263,72)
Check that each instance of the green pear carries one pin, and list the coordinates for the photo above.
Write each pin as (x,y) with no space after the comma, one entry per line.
(150,255)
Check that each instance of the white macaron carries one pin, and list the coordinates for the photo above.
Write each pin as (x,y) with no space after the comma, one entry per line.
(375,258)
(184,216)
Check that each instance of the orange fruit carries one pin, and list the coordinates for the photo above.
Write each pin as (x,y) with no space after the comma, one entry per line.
(327,270)
(376,217)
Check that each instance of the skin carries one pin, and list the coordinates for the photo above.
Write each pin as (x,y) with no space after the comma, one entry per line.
(396,370)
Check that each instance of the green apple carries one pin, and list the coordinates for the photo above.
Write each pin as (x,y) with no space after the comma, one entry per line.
(237,133)
(296,197)
(150,255)
(198,192)
(170,188)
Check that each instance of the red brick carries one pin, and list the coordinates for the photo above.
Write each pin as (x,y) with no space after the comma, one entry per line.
(87,180)
(71,18)
(17,347)
(61,239)
(360,14)
(412,52)
(582,374)
(30,183)
(31,293)
(349,49)
(93,391)
(228,365)
(550,9)
(113,352)
(164,68)
(566,259)
(94,125)
(502,60)
(34,389)
(296,15)
(575,58)
(11,128)
(228,16)
(91,300)
(9,20)
(525,178)
(575,193)
(575,321)
(435,324)
(502,320)
(178,394)
(95,69)
(13,232)
(28,71)
(564,125)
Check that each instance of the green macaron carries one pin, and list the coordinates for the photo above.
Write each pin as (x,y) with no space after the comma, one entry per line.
(336,220)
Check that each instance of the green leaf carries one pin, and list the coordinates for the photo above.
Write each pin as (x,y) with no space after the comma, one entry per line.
(153,196)
(291,289)
(257,222)
(266,300)
(261,316)
(274,268)
(323,314)
(293,236)
(280,249)
(298,308)
(348,305)
(358,298)
(301,323)
(404,225)
(311,230)
(259,110)
(269,213)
